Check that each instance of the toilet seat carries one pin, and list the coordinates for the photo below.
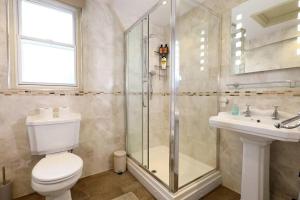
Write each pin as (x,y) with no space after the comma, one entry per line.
(56,168)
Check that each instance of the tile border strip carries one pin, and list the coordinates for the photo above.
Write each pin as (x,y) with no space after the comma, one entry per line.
(56,93)
(232,93)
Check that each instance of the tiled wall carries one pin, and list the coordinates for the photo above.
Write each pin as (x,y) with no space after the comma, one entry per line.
(101,102)
(159,103)
(135,99)
(197,139)
(3,49)
(102,129)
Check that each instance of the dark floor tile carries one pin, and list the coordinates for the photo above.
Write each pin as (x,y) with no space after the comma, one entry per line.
(108,195)
(103,186)
(222,193)
(130,187)
(109,185)
(31,197)
(141,193)
(79,195)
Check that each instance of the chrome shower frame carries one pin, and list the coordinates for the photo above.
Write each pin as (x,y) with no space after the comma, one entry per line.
(174,112)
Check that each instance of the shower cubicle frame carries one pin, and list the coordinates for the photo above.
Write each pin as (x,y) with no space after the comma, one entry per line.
(173,186)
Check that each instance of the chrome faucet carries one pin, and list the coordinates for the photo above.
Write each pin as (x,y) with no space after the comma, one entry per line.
(275,114)
(285,123)
(247,112)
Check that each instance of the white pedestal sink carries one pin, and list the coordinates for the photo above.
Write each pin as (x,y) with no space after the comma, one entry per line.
(257,133)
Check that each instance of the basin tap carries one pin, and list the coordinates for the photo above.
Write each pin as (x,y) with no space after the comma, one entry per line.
(275,114)
(247,112)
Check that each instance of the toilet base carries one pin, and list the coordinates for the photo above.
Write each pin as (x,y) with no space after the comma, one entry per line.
(64,196)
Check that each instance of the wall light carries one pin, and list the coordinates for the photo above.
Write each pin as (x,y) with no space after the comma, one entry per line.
(164,2)
(203,48)
(238,53)
(238,44)
(239,17)
(239,26)
(238,35)
(238,62)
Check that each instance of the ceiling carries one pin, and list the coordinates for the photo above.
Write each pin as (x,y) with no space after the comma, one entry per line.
(129,11)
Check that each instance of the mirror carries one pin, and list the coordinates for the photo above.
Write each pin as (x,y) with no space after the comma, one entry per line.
(265,35)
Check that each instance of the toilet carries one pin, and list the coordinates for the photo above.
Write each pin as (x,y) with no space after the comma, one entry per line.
(55,174)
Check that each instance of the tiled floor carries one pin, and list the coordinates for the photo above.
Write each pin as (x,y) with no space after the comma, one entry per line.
(104,186)
(108,185)
(222,193)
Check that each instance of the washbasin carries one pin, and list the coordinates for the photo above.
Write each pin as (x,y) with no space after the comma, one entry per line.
(260,124)
(257,132)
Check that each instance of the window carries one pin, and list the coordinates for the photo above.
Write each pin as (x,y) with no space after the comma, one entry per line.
(47,53)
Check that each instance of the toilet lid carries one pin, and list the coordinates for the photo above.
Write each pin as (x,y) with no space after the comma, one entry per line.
(57,167)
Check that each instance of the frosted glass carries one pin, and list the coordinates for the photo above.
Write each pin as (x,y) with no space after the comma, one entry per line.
(47,23)
(47,63)
(134,102)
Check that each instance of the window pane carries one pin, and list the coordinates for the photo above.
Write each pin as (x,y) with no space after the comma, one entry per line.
(42,63)
(47,23)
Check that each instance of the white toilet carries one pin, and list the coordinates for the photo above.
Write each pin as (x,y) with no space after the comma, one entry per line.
(55,174)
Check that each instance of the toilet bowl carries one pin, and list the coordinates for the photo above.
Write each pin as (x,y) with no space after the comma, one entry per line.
(56,174)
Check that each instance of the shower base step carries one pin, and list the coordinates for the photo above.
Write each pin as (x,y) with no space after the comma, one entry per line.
(193,191)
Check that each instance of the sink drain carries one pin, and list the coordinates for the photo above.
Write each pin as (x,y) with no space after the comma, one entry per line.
(153,171)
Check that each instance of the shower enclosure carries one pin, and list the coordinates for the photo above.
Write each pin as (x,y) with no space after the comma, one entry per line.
(168,107)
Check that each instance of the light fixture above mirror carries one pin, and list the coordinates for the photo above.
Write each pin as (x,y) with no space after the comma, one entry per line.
(265,35)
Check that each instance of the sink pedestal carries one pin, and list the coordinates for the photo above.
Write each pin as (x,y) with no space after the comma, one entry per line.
(255,171)
(256,133)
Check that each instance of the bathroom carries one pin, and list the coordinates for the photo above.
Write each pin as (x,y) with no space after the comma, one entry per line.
(166,81)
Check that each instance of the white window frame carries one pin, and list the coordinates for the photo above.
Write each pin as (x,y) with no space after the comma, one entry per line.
(15,37)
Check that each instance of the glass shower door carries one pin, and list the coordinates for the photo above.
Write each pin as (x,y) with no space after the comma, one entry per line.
(137,92)
(196,99)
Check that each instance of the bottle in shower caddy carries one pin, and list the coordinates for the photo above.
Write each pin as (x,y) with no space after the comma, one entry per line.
(163,62)
(166,49)
(161,49)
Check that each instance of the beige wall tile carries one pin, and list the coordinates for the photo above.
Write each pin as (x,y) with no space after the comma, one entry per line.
(102,127)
